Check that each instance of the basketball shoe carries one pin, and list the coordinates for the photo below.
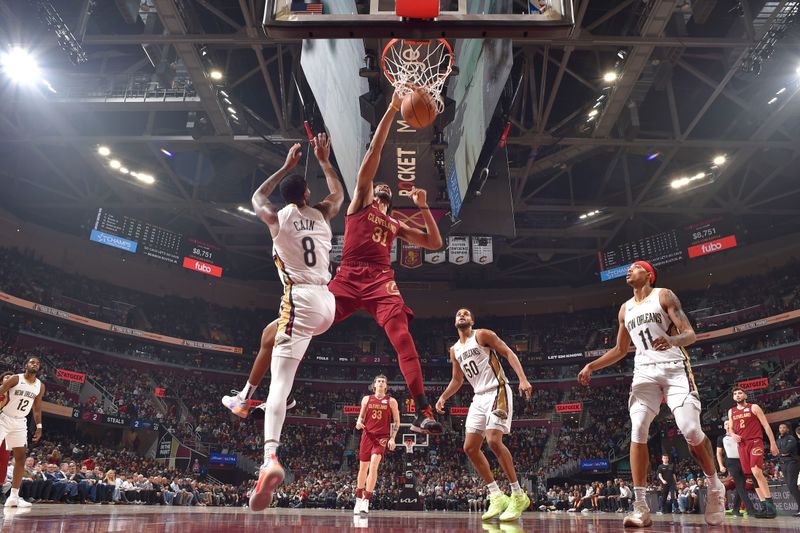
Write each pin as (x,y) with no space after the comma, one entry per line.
(357,506)
(426,423)
(639,517)
(715,505)
(241,408)
(269,477)
(498,503)
(517,505)
(16,501)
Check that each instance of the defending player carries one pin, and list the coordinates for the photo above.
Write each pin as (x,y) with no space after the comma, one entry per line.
(659,328)
(475,355)
(365,279)
(373,420)
(747,419)
(23,392)
(301,237)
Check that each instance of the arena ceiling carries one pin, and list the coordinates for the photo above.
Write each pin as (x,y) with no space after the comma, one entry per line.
(696,80)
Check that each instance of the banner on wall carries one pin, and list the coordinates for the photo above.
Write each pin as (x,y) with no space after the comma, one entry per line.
(411,255)
(575,407)
(351,409)
(754,384)
(393,252)
(435,258)
(337,245)
(68,375)
(458,250)
(482,250)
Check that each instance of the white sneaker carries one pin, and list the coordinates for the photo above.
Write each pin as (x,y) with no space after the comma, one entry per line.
(715,506)
(17,502)
(357,506)
(639,517)
(365,506)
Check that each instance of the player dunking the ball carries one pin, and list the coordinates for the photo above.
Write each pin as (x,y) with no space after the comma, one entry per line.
(747,421)
(654,320)
(301,238)
(475,355)
(374,421)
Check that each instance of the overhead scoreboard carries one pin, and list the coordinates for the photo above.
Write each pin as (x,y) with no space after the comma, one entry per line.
(669,247)
(139,237)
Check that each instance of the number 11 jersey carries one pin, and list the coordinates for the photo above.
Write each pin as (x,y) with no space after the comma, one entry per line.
(302,247)
(646,321)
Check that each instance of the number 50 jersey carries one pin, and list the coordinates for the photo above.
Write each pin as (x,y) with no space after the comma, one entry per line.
(480,364)
(646,321)
(302,247)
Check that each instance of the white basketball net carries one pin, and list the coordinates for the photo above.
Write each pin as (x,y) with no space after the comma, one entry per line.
(412,65)
(409,446)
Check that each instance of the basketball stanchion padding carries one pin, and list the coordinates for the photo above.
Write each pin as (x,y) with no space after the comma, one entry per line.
(417,9)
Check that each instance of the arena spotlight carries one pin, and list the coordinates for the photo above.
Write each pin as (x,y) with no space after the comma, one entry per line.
(215,74)
(105,151)
(115,164)
(593,113)
(145,178)
(720,160)
(610,76)
(166,152)
(243,209)
(653,156)
(124,170)
(20,66)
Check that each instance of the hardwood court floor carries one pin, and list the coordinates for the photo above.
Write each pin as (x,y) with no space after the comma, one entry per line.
(131,519)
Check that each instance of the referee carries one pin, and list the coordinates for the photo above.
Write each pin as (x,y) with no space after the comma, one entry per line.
(787,448)
(733,466)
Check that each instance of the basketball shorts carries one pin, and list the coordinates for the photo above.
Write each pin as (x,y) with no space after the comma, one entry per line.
(371,288)
(14,431)
(672,380)
(371,445)
(480,417)
(751,454)
(306,311)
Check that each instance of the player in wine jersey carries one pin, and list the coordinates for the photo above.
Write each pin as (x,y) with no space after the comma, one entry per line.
(377,433)
(476,355)
(23,393)
(654,320)
(747,421)
(301,238)
(365,279)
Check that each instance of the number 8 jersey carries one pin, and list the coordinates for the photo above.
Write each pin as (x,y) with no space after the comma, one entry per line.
(646,321)
(302,247)
(21,397)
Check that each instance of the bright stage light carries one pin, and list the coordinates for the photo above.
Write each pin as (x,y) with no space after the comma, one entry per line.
(20,66)
(215,74)
(610,76)
(114,164)
(720,160)
(105,151)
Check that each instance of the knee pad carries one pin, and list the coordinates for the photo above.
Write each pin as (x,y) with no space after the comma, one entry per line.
(641,418)
(687,418)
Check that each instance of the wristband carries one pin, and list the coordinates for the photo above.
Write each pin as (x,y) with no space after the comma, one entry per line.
(394,107)
(38,426)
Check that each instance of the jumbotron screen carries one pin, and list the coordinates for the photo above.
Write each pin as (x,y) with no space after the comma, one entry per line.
(139,237)
(696,240)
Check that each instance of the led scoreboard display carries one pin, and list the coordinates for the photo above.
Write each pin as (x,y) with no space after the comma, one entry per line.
(139,237)
(669,247)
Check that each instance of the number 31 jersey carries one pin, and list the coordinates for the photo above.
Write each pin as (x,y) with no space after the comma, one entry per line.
(302,247)
(21,396)
(646,321)
(480,365)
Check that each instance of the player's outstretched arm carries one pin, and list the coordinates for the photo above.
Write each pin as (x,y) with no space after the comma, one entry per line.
(615,354)
(362,196)
(455,383)
(686,335)
(487,337)
(264,209)
(362,413)
(37,413)
(767,429)
(332,203)
(430,239)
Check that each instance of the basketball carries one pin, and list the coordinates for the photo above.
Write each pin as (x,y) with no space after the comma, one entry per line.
(418,109)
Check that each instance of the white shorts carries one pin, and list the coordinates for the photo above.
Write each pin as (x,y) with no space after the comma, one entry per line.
(672,380)
(480,417)
(306,311)
(14,431)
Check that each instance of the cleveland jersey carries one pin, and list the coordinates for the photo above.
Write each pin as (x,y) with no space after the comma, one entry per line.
(377,416)
(646,321)
(21,396)
(368,236)
(745,423)
(302,247)
(480,364)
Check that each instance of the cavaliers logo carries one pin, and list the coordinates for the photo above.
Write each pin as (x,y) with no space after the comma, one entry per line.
(391,288)
(383,442)
(757,451)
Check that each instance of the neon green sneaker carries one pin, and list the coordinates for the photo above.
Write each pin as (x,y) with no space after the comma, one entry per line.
(497,504)
(518,503)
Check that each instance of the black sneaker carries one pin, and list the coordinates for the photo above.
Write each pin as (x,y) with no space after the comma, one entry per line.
(424,424)
(761,513)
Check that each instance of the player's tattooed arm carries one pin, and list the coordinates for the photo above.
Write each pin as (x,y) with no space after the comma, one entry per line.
(332,203)
(264,209)
(430,239)
(767,429)
(13,381)
(487,337)
(686,335)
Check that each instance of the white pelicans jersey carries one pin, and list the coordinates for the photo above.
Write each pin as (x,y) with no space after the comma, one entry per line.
(302,247)
(481,365)
(646,321)
(21,396)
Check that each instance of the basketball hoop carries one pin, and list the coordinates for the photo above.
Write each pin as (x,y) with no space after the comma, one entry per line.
(409,444)
(418,65)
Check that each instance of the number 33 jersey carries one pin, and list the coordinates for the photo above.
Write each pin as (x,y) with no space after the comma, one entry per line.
(480,365)
(646,321)
(20,397)
(302,247)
